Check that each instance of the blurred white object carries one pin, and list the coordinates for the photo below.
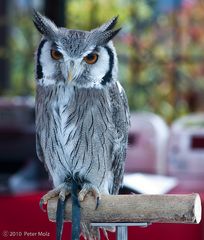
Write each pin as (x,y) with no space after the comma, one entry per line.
(186,146)
(148,137)
(149,183)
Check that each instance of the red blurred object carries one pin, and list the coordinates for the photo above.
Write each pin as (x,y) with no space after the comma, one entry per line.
(17,129)
(148,138)
(186,147)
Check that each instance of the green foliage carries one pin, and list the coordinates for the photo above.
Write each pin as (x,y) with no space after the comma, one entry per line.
(22,43)
(88,14)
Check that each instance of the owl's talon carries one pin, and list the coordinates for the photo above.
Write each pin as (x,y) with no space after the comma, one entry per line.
(42,203)
(62,191)
(87,188)
(97,202)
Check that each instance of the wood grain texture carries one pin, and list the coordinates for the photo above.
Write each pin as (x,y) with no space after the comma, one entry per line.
(136,208)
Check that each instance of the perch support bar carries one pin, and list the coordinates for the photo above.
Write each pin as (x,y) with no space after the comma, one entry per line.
(116,209)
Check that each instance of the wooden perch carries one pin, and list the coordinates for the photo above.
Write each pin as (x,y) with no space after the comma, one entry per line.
(136,209)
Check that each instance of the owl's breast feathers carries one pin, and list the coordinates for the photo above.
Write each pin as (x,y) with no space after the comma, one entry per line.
(82,131)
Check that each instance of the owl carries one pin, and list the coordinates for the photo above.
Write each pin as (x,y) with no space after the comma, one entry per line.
(82,114)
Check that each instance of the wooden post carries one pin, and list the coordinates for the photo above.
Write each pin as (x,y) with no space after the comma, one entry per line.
(135,209)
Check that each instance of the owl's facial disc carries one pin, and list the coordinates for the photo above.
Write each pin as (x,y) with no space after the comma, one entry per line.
(92,69)
(60,46)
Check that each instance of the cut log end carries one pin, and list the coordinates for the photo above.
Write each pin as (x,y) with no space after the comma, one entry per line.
(197,209)
(139,208)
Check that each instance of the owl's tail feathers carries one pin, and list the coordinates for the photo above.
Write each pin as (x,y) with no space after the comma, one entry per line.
(90,233)
(106,230)
(93,233)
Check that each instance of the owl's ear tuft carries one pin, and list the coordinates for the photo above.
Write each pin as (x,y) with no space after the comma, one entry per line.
(108,25)
(102,38)
(111,34)
(44,25)
(105,37)
(102,35)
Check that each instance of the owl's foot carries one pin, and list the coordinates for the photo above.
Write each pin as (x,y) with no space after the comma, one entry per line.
(62,191)
(87,188)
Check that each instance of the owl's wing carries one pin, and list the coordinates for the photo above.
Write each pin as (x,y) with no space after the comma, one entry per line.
(39,149)
(121,119)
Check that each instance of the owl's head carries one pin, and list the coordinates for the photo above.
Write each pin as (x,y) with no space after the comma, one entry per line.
(79,58)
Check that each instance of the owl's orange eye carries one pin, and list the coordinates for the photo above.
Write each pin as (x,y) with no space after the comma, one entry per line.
(91,58)
(56,55)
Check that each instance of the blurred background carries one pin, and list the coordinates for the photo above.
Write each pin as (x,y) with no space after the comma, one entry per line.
(161,67)
(160,48)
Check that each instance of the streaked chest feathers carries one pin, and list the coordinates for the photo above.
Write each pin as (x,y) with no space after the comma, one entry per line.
(80,123)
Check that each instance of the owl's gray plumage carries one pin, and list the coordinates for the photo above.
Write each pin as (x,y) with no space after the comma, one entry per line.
(82,124)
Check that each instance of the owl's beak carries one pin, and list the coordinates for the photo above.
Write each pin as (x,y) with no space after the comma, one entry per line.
(70,76)
(70,71)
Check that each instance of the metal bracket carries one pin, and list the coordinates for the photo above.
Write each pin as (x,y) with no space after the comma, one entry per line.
(121,228)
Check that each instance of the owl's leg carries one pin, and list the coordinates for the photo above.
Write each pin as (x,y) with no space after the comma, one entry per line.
(89,232)
(62,191)
(87,188)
